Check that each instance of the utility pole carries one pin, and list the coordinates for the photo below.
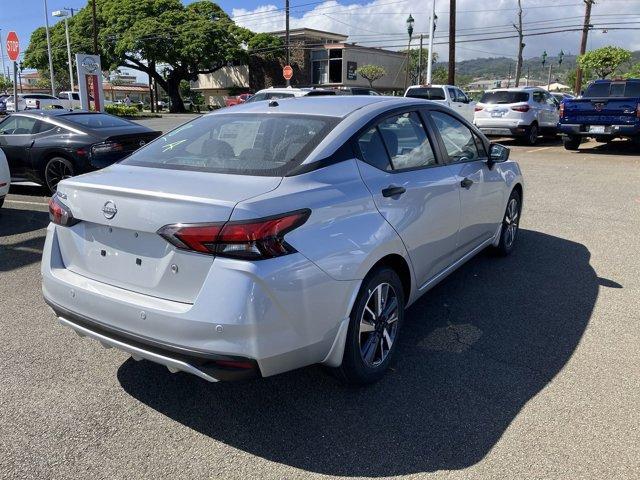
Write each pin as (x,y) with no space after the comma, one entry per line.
(286,36)
(451,78)
(509,77)
(420,61)
(2,52)
(51,75)
(583,43)
(432,29)
(520,44)
(95,27)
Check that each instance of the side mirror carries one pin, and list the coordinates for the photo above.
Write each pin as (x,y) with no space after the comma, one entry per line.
(498,153)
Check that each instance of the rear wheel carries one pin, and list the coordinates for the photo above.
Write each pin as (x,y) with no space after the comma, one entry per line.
(510,224)
(531,137)
(56,170)
(572,142)
(374,326)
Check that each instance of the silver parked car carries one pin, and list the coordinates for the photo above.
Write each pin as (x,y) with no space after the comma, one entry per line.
(274,235)
(524,113)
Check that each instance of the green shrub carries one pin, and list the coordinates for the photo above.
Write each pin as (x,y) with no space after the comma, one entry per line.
(121,110)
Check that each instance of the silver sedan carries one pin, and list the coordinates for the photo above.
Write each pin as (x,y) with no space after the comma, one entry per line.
(275,235)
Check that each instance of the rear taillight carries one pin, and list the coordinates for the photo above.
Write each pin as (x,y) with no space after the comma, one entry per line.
(60,214)
(521,108)
(106,147)
(638,110)
(246,239)
(561,110)
(478,108)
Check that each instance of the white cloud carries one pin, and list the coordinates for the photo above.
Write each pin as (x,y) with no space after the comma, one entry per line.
(382,23)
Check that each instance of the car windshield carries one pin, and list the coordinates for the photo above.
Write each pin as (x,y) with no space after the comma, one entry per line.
(97,120)
(427,93)
(504,96)
(245,144)
(613,89)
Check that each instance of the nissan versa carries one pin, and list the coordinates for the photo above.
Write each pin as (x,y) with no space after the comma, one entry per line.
(274,235)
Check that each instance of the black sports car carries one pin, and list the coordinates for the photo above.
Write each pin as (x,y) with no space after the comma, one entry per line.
(48,146)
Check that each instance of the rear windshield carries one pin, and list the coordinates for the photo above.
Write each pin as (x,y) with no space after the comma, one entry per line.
(427,93)
(246,144)
(504,96)
(97,120)
(613,89)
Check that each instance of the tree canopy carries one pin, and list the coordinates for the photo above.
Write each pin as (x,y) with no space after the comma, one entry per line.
(371,73)
(152,36)
(604,61)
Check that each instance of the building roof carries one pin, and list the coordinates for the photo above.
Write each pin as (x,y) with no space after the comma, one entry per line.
(311,32)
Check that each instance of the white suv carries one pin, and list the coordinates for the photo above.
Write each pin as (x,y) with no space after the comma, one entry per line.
(523,113)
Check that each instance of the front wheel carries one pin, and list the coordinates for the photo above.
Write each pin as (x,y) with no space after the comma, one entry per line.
(572,142)
(374,326)
(510,224)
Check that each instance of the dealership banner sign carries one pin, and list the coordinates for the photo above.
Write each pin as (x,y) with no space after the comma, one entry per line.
(90,82)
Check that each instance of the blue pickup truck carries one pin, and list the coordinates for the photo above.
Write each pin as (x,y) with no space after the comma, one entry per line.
(608,109)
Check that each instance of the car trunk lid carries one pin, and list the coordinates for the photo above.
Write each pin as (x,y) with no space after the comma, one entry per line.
(116,241)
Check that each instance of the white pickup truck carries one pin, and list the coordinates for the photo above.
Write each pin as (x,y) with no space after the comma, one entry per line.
(64,100)
(450,95)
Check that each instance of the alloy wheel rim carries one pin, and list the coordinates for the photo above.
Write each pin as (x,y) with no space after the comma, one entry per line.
(378,326)
(56,172)
(511,219)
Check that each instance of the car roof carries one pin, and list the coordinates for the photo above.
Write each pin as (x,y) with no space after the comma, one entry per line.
(517,89)
(331,106)
(56,112)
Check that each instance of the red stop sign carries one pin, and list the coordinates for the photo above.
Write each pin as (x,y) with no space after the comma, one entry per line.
(13,46)
(287,72)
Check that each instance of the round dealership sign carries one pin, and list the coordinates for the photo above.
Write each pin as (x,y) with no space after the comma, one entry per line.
(287,72)
(90,65)
(13,46)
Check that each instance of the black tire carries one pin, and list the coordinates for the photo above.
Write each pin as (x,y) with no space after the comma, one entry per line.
(532,134)
(509,229)
(571,142)
(55,170)
(355,369)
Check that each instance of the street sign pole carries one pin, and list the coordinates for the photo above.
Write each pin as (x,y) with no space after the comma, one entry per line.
(15,85)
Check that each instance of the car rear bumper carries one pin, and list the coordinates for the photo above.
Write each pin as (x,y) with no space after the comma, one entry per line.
(502,126)
(272,314)
(583,130)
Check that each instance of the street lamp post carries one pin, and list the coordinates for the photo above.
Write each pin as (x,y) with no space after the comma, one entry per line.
(65,15)
(432,29)
(410,23)
(46,24)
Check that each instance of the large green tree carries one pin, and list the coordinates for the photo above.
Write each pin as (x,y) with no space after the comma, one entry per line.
(153,37)
(604,61)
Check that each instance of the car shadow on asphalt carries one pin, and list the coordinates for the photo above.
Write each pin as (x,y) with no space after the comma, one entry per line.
(15,221)
(473,352)
(616,147)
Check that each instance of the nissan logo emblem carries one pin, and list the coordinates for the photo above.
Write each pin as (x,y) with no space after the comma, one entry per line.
(142,143)
(109,210)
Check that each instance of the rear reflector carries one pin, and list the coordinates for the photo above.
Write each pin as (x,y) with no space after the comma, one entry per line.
(60,214)
(478,108)
(638,110)
(253,239)
(521,108)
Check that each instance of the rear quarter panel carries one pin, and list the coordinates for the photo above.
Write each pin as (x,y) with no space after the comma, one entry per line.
(5,176)
(345,234)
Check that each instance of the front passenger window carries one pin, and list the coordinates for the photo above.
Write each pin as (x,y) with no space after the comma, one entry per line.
(458,139)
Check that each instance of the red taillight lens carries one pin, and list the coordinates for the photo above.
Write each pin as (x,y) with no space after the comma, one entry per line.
(521,108)
(561,110)
(478,108)
(60,214)
(638,110)
(253,239)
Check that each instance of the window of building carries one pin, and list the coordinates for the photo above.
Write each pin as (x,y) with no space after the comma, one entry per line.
(326,66)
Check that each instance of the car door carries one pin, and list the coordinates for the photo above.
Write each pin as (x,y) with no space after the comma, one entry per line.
(553,112)
(414,192)
(16,139)
(540,106)
(464,105)
(481,188)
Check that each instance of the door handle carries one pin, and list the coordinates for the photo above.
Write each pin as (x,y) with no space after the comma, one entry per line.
(392,191)
(466,183)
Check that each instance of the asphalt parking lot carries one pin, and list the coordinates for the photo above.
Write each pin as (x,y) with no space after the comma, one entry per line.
(524,367)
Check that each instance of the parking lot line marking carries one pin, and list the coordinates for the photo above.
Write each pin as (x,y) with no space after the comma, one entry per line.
(27,203)
(538,149)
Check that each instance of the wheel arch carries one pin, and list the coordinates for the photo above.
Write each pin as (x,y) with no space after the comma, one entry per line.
(399,265)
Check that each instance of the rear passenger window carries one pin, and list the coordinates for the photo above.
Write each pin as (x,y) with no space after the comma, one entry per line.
(459,141)
(407,142)
(373,150)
